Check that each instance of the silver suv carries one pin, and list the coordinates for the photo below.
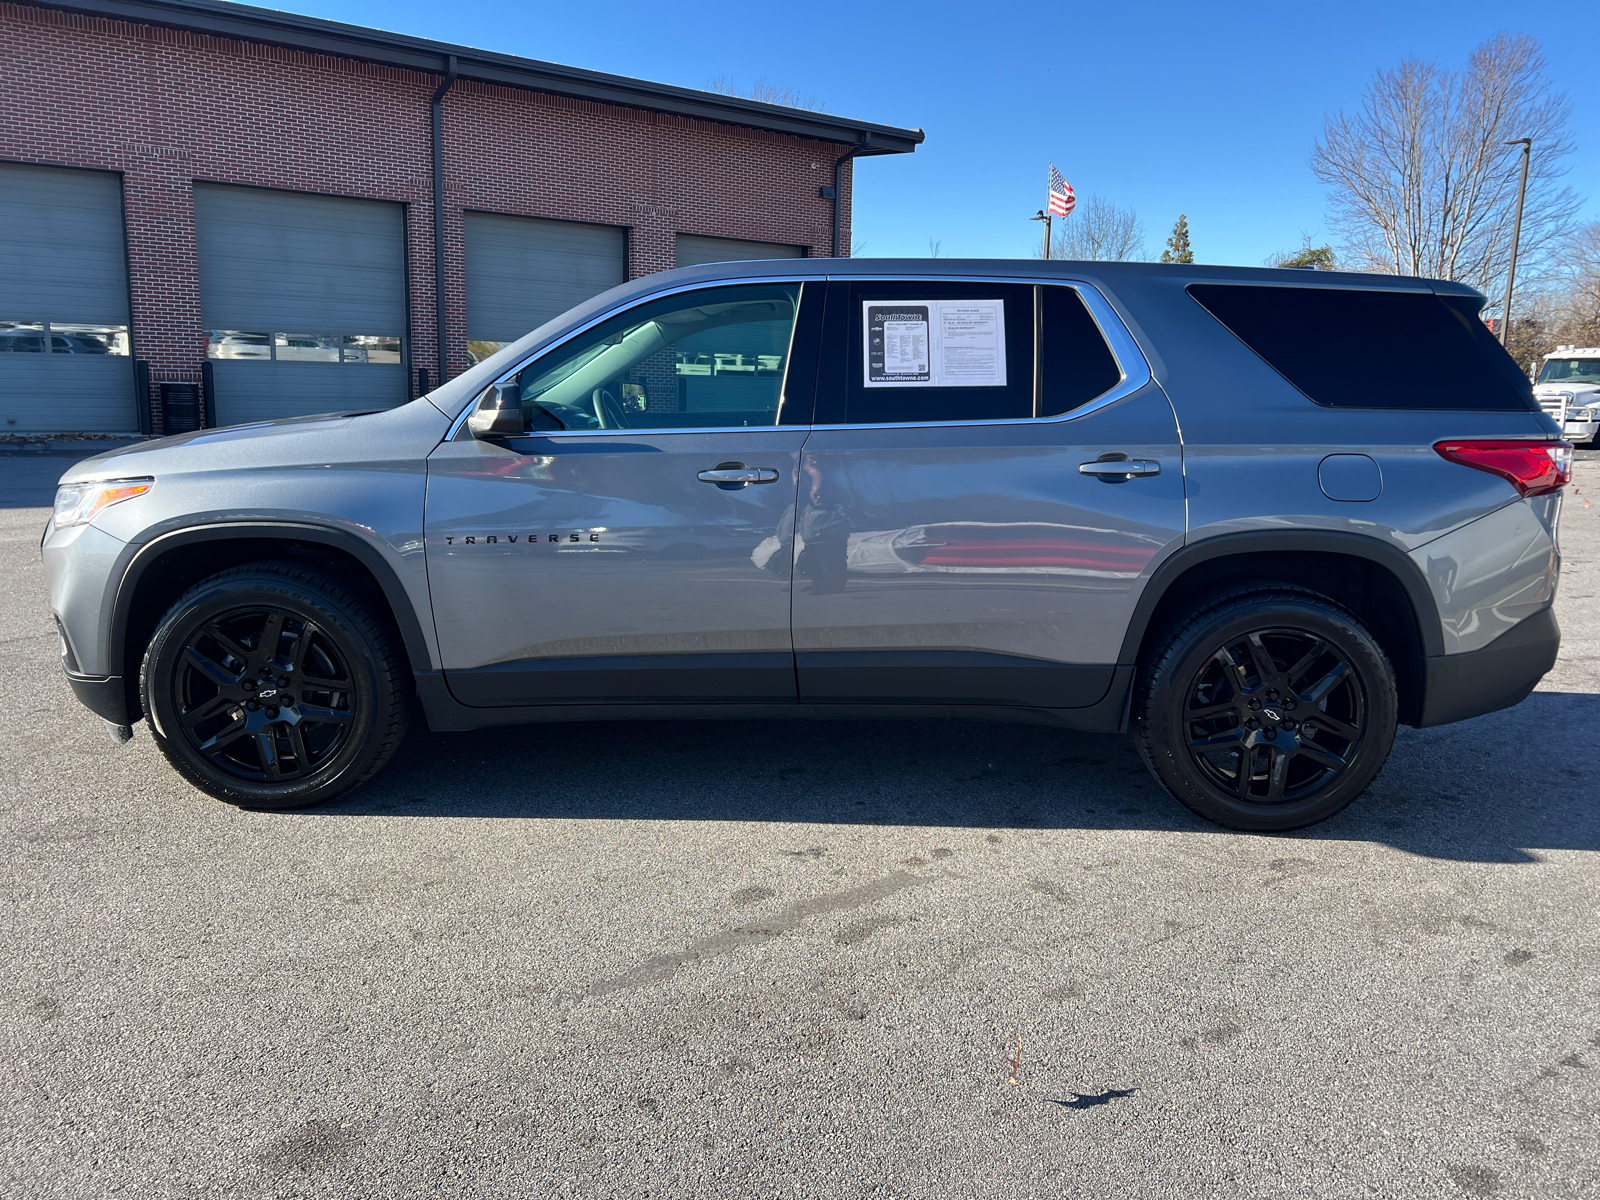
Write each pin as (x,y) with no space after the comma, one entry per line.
(1254,517)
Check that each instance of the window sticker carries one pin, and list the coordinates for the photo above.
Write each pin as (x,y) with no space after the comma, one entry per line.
(934,343)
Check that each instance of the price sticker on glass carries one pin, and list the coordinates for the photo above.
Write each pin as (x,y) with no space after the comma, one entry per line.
(934,343)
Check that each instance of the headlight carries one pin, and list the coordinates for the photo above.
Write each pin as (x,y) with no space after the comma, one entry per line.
(80,503)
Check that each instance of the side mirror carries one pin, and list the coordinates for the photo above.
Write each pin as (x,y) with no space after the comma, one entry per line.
(498,412)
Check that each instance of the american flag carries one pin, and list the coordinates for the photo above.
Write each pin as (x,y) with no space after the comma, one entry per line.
(1062,201)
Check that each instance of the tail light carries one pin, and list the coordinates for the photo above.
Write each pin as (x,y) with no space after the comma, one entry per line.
(1533,468)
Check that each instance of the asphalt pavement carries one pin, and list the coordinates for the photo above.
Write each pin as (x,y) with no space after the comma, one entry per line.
(772,960)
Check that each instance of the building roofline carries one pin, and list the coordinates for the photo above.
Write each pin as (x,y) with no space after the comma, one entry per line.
(420,54)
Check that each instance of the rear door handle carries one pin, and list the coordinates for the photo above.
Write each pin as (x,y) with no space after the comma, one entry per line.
(729,475)
(1120,466)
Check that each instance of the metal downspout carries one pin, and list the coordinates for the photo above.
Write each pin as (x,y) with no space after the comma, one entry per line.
(838,193)
(442,315)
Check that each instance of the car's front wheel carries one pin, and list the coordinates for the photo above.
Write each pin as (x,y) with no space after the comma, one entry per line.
(272,686)
(1267,710)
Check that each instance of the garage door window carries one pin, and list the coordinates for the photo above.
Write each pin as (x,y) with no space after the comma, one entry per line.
(62,337)
(23,337)
(304,347)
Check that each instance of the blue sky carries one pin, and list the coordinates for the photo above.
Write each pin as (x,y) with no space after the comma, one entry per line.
(1209,110)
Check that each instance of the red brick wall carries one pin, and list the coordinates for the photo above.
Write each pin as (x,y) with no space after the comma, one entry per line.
(165,107)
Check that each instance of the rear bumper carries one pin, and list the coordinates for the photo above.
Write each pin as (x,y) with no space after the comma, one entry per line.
(1499,675)
(105,697)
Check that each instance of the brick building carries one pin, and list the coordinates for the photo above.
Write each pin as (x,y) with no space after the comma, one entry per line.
(243,201)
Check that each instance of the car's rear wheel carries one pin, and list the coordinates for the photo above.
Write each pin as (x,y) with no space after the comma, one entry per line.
(1268,710)
(271,686)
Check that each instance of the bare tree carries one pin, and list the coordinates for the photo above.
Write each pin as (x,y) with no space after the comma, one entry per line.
(1098,231)
(1422,182)
(935,247)
(1576,299)
(766,92)
(1566,310)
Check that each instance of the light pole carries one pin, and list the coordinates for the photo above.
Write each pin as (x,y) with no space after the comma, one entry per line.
(1516,235)
(1041,215)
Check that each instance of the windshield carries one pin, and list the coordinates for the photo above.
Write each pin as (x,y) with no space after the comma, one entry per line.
(1570,370)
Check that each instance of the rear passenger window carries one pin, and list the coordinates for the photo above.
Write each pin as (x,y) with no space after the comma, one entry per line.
(936,351)
(1352,348)
(1076,365)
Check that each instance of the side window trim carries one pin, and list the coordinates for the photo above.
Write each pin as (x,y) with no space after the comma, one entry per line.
(1125,351)
(1038,349)
(458,428)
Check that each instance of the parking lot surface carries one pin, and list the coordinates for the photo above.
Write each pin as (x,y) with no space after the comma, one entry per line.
(794,959)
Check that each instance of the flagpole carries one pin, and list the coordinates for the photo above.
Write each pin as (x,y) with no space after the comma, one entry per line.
(1041,215)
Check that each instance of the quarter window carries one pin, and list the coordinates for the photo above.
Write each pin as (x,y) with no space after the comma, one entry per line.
(712,358)
(1075,364)
(1359,348)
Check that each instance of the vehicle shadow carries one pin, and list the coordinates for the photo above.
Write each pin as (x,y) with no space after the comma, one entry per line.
(1478,791)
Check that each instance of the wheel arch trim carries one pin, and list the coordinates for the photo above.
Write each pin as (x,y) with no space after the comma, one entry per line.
(410,628)
(1332,542)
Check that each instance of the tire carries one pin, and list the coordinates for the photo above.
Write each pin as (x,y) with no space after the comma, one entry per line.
(1256,662)
(209,680)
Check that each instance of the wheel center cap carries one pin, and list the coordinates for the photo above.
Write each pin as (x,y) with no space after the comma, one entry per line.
(1270,714)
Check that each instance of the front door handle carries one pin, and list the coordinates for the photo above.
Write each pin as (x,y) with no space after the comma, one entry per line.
(734,475)
(1120,467)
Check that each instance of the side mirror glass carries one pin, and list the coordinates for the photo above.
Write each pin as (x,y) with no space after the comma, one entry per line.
(498,412)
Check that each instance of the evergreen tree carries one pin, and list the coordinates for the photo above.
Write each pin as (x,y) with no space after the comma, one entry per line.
(1318,258)
(1178,249)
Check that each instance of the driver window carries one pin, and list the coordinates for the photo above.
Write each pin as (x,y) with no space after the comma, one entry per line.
(705,359)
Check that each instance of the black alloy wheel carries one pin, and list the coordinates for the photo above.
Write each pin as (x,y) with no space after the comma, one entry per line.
(1270,709)
(272,686)
(1275,715)
(264,694)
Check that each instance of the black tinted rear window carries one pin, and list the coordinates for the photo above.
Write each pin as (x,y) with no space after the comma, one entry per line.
(1348,348)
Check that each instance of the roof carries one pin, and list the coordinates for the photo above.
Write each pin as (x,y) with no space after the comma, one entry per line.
(1045,269)
(420,54)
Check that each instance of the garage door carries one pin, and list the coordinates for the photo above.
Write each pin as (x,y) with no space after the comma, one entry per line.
(522,271)
(694,250)
(64,364)
(304,300)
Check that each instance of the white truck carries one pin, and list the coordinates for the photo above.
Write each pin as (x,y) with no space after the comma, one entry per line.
(1568,388)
